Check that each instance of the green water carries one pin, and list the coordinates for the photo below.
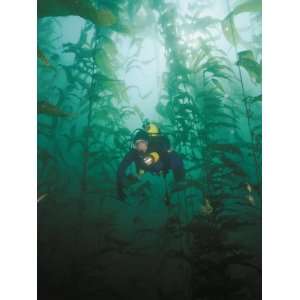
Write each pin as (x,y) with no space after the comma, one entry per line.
(193,68)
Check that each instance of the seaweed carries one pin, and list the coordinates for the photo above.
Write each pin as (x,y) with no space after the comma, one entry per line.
(208,102)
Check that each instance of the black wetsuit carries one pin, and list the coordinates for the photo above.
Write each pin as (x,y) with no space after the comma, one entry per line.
(168,160)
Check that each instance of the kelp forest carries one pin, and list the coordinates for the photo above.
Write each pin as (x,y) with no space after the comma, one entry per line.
(193,68)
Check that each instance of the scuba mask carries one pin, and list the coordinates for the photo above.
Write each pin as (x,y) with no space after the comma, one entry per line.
(139,135)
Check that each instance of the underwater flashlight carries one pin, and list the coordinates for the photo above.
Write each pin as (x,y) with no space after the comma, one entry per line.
(148,160)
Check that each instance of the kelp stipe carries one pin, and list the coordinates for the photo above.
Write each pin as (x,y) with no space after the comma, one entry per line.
(205,68)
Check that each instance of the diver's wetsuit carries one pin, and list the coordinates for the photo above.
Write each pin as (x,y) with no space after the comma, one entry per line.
(168,160)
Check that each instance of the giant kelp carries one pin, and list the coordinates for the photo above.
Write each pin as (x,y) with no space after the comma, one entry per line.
(209,106)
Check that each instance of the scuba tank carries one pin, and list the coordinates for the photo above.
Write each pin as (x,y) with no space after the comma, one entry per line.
(150,128)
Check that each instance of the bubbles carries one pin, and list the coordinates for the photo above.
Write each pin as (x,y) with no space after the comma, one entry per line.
(190,40)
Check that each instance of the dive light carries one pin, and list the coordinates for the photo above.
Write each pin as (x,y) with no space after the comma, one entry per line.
(148,160)
(153,157)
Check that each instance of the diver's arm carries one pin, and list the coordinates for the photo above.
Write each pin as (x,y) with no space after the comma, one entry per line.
(166,145)
(177,166)
(179,174)
(125,163)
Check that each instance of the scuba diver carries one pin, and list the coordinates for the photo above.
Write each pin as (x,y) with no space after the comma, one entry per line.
(151,152)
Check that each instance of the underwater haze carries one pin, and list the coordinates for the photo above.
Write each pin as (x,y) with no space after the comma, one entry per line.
(193,67)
